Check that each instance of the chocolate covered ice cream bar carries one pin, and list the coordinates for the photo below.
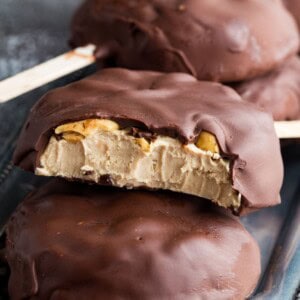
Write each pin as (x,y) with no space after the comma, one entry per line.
(277,92)
(72,241)
(220,40)
(160,131)
(294,7)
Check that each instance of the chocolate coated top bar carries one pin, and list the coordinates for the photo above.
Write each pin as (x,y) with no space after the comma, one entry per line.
(174,105)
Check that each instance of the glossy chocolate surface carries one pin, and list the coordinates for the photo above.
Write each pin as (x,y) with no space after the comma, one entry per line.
(223,40)
(71,241)
(277,92)
(294,7)
(175,105)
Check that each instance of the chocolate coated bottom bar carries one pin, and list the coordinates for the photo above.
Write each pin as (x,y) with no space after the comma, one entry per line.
(71,241)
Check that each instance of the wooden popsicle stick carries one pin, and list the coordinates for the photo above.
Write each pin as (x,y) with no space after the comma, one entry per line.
(46,72)
(287,129)
(75,60)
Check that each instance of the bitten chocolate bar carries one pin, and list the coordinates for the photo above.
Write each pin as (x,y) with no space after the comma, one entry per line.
(161,131)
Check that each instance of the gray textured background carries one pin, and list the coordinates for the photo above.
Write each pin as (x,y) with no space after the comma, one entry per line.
(32,31)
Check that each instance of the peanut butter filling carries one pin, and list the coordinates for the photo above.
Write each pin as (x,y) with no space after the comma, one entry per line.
(94,148)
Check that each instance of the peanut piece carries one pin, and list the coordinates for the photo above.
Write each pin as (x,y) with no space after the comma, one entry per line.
(72,137)
(143,143)
(208,142)
(86,127)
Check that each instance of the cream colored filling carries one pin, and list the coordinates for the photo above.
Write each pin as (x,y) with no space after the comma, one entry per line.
(131,162)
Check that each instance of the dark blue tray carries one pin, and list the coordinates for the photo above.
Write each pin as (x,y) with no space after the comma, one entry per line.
(276,229)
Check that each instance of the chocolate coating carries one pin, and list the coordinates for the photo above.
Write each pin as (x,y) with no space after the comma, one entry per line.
(77,242)
(294,7)
(175,105)
(277,92)
(223,40)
